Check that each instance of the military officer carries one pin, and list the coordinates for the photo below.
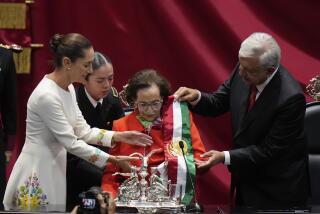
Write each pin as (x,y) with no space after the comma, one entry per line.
(100,105)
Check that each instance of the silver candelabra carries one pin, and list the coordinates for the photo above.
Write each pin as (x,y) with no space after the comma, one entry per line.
(146,197)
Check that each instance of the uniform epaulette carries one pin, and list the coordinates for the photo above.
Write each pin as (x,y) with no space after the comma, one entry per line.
(15,48)
(114,92)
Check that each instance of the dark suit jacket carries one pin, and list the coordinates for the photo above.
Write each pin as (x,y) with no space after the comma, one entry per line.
(269,162)
(110,110)
(7,92)
(90,174)
(7,107)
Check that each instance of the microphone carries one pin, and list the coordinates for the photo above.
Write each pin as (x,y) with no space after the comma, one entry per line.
(196,207)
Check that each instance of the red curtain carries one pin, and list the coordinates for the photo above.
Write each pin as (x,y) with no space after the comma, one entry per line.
(192,43)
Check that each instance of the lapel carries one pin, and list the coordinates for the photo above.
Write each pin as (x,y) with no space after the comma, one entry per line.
(106,114)
(83,98)
(267,97)
(239,110)
(105,108)
(89,111)
(83,101)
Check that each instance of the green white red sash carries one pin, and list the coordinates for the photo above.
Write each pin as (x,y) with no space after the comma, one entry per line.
(176,127)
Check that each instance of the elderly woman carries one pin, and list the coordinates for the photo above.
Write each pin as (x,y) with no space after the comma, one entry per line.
(149,93)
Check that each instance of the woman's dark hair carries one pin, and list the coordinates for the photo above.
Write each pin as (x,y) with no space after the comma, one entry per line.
(144,79)
(98,61)
(70,45)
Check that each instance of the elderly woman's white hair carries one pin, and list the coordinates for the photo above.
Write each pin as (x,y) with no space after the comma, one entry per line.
(264,46)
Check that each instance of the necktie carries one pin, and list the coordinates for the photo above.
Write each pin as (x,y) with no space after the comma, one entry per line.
(252,98)
(98,107)
(98,116)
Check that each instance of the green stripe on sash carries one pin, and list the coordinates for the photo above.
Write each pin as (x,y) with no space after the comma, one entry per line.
(186,136)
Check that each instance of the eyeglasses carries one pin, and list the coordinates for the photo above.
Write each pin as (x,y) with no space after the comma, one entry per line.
(155,106)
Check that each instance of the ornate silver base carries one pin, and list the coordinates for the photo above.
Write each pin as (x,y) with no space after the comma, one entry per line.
(156,196)
(153,207)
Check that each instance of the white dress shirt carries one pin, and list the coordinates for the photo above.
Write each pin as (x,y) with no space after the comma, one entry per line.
(93,101)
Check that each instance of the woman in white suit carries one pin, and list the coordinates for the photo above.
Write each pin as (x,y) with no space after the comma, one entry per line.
(55,125)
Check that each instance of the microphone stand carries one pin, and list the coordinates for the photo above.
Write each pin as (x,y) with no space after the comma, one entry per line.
(196,207)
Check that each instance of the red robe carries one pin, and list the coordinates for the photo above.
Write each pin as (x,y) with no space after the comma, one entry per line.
(129,123)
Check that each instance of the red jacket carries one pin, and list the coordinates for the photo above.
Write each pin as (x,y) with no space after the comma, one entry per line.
(129,123)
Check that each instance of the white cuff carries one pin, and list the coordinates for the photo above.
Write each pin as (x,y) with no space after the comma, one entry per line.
(103,137)
(226,157)
(101,158)
(107,138)
(195,102)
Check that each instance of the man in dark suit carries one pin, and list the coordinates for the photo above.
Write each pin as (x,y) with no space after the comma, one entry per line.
(268,162)
(100,106)
(7,111)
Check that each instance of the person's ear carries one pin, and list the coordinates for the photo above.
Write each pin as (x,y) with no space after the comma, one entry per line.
(66,63)
(271,70)
(135,105)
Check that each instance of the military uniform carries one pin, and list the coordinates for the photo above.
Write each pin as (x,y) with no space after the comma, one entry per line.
(7,108)
(91,175)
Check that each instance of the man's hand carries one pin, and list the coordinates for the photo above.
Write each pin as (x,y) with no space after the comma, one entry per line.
(214,156)
(186,94)
(133,138)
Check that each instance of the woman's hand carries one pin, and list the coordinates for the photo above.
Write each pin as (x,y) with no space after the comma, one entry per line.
(124,166)
(121,158)
(122,162)
(133,138)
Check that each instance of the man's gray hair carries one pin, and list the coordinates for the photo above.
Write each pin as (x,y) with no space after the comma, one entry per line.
(264,46)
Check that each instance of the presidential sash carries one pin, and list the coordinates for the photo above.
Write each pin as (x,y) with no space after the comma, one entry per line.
(176,128)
